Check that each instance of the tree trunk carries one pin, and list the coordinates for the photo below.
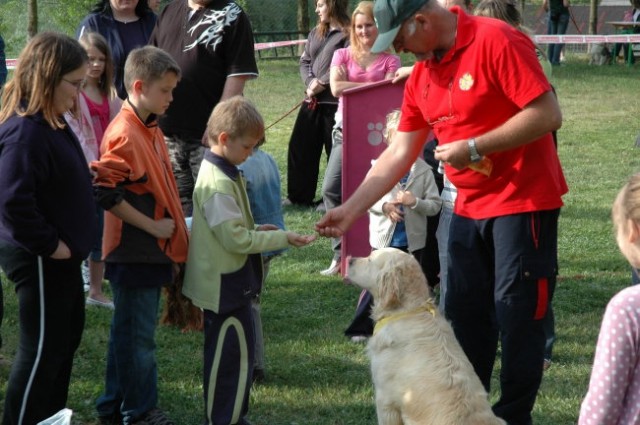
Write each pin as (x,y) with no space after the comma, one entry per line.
(593,17)
(303,21)
(32,18)
(303,16)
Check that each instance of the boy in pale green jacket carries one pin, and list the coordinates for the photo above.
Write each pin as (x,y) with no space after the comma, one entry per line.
(224,268)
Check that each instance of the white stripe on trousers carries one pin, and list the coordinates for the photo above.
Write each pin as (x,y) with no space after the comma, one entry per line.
(25,397)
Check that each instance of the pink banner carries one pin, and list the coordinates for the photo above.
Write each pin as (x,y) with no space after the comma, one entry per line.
(365,112)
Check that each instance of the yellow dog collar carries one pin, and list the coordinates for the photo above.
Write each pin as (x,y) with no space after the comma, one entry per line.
(426,308)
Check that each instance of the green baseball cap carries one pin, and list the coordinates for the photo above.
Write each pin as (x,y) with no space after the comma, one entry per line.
(389,16)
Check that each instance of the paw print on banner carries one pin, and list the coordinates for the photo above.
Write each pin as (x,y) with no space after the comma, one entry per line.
(375,133)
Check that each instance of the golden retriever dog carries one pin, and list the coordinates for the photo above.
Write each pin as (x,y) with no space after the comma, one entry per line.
(420,373)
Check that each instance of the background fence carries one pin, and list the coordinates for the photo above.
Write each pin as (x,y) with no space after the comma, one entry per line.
(272,20)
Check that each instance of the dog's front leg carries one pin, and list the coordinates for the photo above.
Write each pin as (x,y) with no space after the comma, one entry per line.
(387,415)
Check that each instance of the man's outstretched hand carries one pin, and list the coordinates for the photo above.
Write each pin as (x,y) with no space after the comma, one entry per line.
(335,222)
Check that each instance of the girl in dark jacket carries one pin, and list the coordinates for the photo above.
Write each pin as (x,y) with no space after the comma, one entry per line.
(47,222)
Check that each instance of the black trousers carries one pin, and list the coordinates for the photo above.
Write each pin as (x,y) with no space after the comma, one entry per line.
(1,311)
(501,278)
(229,356)
(311,133)
(51,316)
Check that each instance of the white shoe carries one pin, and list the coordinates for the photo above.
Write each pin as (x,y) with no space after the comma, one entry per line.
(105,304)
(85,274)
(334,268)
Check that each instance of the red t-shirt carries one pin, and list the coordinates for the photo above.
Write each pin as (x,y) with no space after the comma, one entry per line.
(491,74)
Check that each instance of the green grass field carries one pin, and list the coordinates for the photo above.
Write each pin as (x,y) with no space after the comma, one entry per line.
(314,375)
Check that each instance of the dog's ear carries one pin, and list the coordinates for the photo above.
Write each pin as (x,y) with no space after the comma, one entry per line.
(389,281)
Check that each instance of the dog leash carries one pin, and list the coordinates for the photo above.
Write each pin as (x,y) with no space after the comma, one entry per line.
(426,308)
(573,19)
(297,105)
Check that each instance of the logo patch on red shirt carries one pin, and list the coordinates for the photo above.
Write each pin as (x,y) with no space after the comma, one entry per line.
(466,82)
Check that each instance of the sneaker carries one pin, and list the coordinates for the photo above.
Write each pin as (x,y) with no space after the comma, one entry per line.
(334,268)
(154,417)
(258,375)
(4,362)
(85,275)
(286,202)
(98,303)
(546,364)
(359,339)
(115,419)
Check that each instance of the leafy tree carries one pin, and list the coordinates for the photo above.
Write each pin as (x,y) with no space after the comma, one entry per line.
(52,15)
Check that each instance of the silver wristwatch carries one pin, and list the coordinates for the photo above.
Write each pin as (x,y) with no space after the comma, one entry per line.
(474,156)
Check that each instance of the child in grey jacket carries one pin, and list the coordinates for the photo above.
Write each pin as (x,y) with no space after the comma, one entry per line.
(399,220)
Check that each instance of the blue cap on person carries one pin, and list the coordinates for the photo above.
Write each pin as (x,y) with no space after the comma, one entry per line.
(389,16)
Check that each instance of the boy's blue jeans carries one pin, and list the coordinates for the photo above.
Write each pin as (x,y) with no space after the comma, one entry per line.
(131,377)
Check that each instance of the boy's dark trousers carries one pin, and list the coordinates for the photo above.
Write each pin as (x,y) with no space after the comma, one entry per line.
(229,351)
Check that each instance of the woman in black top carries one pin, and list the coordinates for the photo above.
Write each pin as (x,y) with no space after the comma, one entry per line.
(312,129)
(125,26)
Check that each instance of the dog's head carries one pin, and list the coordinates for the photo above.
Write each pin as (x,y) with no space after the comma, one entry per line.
(394,278)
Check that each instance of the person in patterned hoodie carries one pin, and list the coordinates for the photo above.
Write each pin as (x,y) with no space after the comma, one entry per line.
(212,41)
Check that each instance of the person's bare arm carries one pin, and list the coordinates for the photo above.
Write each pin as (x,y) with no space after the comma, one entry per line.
(386,172)
(62,251)
(339,82)
(234,85)
(402,73)
(538,118)
(161,229)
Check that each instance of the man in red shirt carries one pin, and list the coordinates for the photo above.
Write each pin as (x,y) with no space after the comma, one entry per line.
(478,85)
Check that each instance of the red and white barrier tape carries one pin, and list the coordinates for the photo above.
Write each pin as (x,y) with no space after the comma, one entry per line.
(11,63)
(540,39)
(586,39)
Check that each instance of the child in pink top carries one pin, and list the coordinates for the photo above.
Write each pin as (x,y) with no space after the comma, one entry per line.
(614,389)
(97,105)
